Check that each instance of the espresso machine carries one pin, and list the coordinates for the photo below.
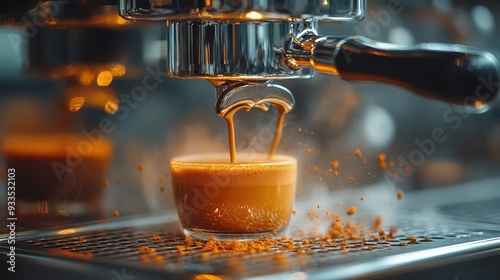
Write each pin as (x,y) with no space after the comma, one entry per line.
(139,66)
(237,45)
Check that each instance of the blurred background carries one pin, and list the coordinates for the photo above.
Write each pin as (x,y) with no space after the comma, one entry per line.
(92,107)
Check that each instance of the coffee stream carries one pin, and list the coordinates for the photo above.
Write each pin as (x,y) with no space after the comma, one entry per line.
(263,104)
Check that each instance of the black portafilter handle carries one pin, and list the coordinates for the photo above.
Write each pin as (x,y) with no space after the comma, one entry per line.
(454,74)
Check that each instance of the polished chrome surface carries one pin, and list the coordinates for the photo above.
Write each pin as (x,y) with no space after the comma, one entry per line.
(252,94)
(233,50)
(308,49)
(327,10)
(237,40)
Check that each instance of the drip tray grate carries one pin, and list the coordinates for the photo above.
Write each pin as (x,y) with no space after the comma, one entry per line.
(162,246)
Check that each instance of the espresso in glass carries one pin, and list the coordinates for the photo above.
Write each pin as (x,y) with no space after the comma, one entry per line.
(242,200)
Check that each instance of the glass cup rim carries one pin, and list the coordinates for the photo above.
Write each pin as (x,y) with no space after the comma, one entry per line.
(242,159)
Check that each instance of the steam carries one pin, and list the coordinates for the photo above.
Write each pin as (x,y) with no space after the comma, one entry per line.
(315,212)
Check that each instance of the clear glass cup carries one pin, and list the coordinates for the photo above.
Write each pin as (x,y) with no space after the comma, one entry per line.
(243,200)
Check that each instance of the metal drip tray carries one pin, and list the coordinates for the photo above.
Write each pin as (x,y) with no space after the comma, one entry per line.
(484,210)
(115,247)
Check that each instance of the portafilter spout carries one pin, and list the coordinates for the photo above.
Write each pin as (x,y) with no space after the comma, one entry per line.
(233,96)
(239,43)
